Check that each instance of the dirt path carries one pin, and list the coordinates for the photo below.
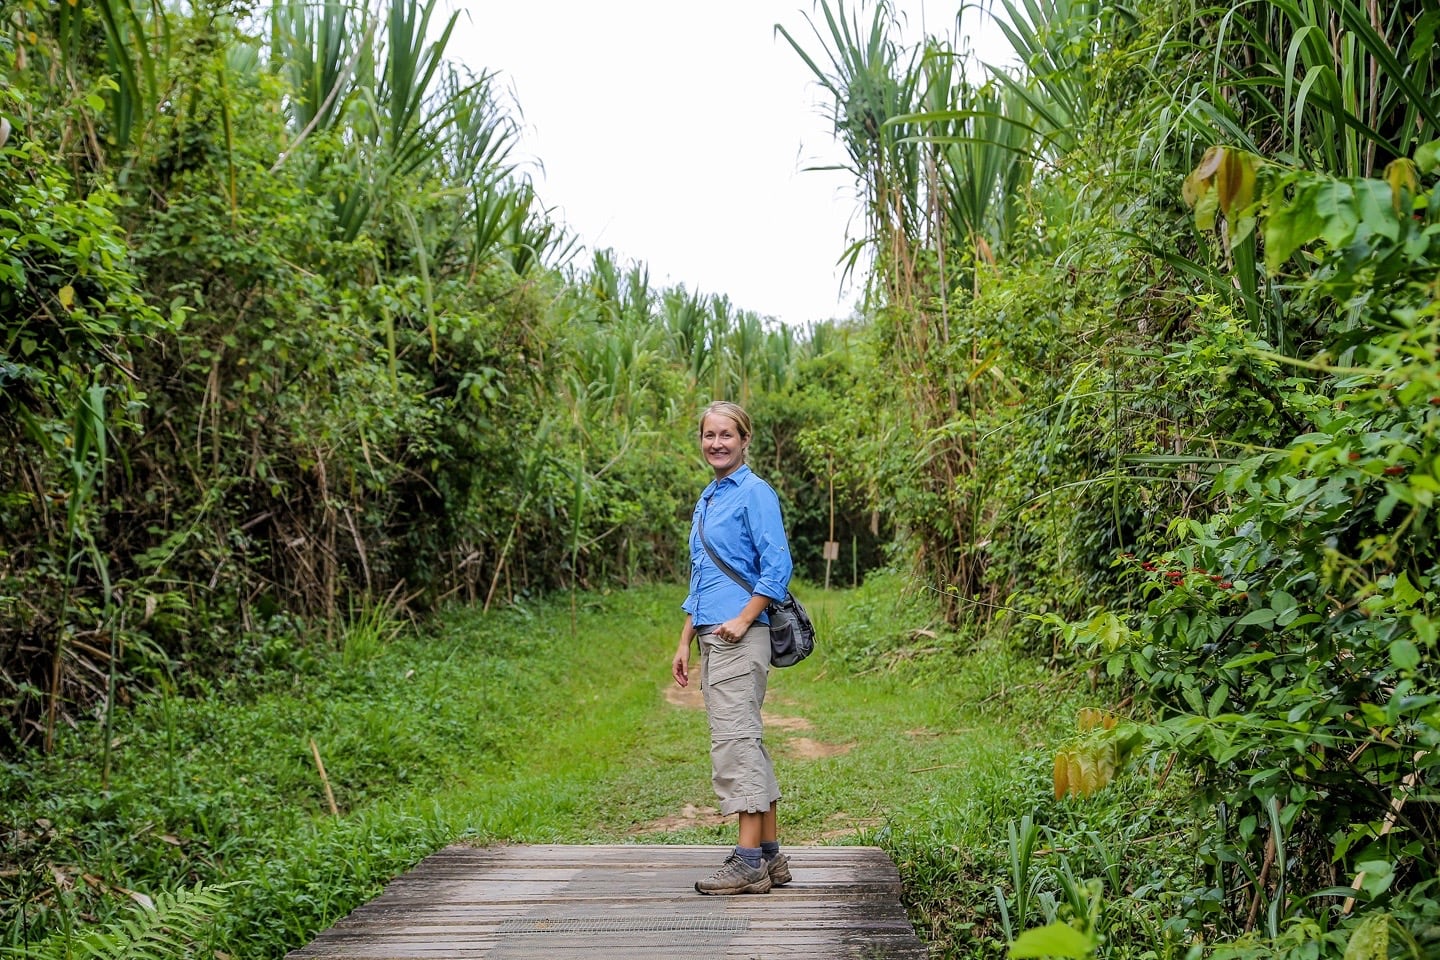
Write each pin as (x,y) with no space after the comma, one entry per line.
(784,734)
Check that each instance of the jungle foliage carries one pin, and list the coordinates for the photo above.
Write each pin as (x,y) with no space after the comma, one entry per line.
(1162,302)
(1146,380)
(288,337)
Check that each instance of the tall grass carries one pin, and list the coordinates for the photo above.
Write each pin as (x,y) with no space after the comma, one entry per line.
(1328,84)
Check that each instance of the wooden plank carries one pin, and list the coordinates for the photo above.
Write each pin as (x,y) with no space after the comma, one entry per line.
(791,912)
(624,900)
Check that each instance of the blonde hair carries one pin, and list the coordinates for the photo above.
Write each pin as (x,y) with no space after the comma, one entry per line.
(734,411)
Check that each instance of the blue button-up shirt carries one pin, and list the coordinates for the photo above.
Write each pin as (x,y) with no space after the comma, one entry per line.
(743,526)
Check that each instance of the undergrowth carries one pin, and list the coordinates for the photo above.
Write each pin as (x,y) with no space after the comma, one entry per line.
(518,726)
(424,740)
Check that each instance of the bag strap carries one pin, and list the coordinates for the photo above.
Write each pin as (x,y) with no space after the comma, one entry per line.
(725,567)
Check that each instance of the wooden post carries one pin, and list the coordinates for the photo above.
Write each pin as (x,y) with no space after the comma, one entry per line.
(320,765)
(832,549)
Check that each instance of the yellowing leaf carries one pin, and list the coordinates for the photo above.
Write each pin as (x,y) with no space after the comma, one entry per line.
(1198,183)
(1193,189)
(1403,177)
(1062,774)
(66,296)
(982,248)
(1205,210)
(1222,183)
(1105,766)
(1210,162)
(1235,181)
(1089,779)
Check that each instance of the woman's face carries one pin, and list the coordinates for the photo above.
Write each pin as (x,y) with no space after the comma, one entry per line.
(722,445)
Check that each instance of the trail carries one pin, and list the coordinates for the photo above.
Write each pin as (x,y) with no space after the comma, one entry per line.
(856,750)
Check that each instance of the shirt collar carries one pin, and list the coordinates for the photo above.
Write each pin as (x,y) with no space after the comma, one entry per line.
(733,479)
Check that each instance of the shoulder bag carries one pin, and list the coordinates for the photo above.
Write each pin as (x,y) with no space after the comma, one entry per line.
(792,635)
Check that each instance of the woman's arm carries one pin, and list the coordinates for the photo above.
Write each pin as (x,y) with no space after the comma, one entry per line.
(680,666)
(772,547)
(734,628)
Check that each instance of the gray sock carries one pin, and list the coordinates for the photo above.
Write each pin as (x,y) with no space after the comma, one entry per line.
(750,855)
(768,848)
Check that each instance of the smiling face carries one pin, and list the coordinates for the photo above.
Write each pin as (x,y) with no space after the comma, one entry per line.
(722,444)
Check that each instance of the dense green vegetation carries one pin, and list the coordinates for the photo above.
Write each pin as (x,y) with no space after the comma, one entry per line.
(501,726)
(290,351)
(245,385)
(1164,307)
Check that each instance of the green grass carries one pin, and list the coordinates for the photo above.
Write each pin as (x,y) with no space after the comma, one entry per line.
(509,727)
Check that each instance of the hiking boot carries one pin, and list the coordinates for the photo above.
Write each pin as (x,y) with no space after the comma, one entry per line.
(735,876)
(778,867)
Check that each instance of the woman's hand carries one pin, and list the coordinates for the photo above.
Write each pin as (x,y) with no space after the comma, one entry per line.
(680,666)
(733,631)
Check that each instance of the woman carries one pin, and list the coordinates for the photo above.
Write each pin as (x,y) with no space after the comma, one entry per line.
(739,516)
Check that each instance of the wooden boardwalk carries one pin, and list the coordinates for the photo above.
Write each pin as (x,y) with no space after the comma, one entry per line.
(627,901)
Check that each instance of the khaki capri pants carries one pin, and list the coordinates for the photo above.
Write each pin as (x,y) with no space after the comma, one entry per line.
(732,678)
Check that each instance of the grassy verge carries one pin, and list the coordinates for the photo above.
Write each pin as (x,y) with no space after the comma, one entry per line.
(528,726)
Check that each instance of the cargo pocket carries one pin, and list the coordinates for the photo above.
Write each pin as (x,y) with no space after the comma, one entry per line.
(730,702)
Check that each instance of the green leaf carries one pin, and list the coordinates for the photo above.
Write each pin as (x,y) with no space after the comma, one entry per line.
(1404,654)
(1424,629)
(1371,939)
(1335,200)
(1404,592)
(1262,616)
(1375,202)
(1291,227)
(1249,659)
(1055,940)
(1386,507)
(1427,156)
(1377,876)
(1217,700)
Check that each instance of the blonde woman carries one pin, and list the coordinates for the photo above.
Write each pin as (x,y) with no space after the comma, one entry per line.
(737,524)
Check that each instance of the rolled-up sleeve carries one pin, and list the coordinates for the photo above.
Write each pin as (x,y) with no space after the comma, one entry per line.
(767,532)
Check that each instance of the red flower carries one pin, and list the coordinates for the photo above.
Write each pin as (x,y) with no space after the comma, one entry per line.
(1147,565)
(1226,585)
(1354,455)
(1394,470)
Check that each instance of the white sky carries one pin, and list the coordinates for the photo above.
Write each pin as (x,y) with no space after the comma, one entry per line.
(677,132)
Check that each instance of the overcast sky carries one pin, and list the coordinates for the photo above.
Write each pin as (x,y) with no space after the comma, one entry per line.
(677,133)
